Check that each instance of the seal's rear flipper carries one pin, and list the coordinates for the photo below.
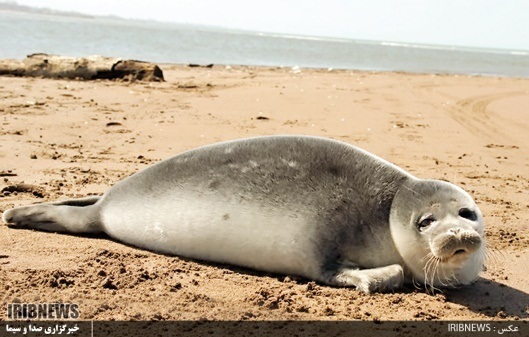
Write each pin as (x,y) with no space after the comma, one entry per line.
(70,216)
(78,202)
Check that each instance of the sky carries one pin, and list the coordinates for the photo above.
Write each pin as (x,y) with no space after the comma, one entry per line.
(502,24)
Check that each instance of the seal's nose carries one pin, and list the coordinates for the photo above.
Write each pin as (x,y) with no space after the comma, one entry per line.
(456,242)
(467,242)
(455,231)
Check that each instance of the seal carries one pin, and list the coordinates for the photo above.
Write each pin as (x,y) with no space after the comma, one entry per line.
(298,205)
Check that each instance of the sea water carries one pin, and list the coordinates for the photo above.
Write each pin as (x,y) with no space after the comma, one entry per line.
(26,33)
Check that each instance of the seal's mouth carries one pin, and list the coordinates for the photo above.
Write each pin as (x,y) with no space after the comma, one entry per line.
(456,255)
(460,251)
(455,258)
(456,246)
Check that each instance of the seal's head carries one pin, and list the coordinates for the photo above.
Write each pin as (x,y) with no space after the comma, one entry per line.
(438,230)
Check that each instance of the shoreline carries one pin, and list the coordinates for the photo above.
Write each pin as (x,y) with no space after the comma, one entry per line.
(165,42)
(70,138)
(331,69)
(296,69)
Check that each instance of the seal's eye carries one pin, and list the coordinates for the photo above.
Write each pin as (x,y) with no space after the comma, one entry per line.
(468,214)
(425,221)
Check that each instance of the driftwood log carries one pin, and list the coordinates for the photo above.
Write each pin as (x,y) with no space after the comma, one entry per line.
(87,68)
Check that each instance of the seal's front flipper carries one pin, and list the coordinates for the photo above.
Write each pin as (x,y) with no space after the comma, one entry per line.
(380,279)
(71,216)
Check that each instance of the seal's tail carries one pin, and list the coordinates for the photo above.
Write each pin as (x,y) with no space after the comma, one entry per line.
(69,216)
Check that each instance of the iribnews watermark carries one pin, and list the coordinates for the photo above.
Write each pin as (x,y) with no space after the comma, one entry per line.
(42,311)
(481,327)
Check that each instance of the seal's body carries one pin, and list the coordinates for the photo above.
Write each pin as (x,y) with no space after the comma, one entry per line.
(297,205)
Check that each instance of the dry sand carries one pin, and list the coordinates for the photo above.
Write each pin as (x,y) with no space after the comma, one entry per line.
(71,138)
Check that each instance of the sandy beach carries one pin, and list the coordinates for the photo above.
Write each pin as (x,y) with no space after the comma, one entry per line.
(64,138)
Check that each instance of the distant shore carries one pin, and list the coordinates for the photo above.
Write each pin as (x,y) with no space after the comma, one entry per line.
(14,7)
(162,42)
